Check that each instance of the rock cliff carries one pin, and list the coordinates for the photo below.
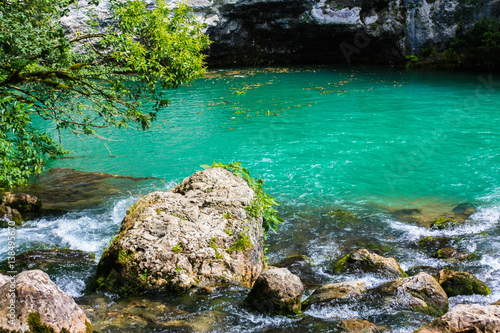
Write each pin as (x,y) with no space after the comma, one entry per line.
(252,32)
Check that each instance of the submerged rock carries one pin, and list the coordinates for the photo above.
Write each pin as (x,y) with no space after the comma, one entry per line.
(446,223)
(466,318)
(336,292)
(449,253)
(461,283)
(342,217)
(358,326)
(419,293)
(37,295)
(50,260)
(426,269)
(198,233)
(277,291)
(365,261)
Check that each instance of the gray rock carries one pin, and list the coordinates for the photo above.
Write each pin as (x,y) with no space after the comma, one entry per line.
(466,318)
(421,293)
(336,292)
(36,293)
(277,291)
(365,261)
(196,234)
(243,32)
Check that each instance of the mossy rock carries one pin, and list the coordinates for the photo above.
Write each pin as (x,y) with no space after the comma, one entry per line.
(364,261)
(446,223)
(436,242)
(457,283)
(449,253)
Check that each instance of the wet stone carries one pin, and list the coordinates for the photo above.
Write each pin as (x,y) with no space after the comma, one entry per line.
(449,253)
(364,261)
(357,326)
(277,291)
(457,283)
(336,292)
(301,266)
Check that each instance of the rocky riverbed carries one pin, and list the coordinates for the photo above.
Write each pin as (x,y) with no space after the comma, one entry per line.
(207,211)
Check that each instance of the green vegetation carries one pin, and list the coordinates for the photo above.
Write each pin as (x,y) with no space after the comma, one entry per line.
(262,203)
(242,244)
(177,248)
(36,326)
(79,84)
(474,47)
(227,215)
(213,245)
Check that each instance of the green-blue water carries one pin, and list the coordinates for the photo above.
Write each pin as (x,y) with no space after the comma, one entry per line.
(371,141)
(329,135)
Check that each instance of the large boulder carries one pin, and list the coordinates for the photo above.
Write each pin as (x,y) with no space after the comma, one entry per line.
(419,293)
(466,318)
(336,292)
(365,261)
(37,296)
(277,291)
(197,234)
(461,283)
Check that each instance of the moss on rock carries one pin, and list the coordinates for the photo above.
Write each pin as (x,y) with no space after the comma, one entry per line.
(457,283)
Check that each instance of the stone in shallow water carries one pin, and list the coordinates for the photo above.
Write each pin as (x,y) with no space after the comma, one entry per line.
(277,291)
(426,269)
(358,326)
(449,253)
(461,283)
(198,233)
(466,318)
(302,267)
(336,292)
(436,242)
(364,261)
(36,293)
(421,293)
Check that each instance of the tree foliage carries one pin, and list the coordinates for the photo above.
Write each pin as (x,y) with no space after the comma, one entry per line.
(90,80)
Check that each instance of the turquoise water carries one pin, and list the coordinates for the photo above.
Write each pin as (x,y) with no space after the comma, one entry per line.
(321,135)
(370,141)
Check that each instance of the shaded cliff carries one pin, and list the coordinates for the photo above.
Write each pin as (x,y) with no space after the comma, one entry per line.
(252,32)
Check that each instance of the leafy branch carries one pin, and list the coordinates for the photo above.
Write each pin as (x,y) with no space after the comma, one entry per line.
(262,203)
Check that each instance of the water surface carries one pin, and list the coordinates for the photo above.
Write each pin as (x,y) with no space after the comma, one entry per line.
(369,141)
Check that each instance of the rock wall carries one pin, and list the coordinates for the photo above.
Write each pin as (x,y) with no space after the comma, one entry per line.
(252,32)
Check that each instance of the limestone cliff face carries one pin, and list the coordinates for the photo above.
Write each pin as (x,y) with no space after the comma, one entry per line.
(333,31)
